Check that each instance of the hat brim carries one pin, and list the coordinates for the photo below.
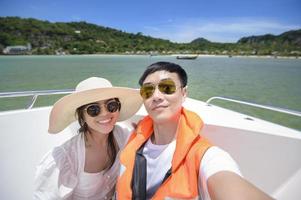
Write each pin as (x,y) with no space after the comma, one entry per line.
(63,111)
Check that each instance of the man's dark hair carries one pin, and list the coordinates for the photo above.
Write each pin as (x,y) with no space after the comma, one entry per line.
(165,66)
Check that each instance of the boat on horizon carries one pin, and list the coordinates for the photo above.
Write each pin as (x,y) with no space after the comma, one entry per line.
(267,153)
(187,57)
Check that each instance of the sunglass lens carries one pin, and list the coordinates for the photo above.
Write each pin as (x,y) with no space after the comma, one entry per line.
(93,110)
(113,106)
(167,87)
(147,90)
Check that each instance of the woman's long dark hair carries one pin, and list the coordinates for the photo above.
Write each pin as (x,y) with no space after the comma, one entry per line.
(112,149)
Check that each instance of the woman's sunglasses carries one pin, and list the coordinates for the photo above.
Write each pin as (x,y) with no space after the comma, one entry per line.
(165,86)
(95,109)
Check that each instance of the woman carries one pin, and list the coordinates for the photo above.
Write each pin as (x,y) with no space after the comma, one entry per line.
(87,166)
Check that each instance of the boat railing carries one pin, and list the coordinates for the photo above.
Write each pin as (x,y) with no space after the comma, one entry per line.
(34,95)
(277,109)
(37,93)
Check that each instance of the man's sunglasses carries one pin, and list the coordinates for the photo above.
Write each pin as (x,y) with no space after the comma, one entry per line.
(95,109)
(165,86)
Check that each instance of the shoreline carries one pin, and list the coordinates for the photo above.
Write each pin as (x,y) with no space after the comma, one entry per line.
(163,55)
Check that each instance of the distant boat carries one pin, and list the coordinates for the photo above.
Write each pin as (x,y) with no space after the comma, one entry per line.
(187,57)
(154,54)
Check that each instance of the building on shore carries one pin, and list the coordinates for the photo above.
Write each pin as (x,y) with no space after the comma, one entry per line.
(17,50)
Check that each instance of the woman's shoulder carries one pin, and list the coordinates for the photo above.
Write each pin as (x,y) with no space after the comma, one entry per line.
(72,142)
(65,154)
(58,167)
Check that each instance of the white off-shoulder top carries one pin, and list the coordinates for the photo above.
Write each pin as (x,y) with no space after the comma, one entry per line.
(61,175)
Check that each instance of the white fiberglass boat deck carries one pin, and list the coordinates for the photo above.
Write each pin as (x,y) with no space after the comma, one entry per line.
(267,153)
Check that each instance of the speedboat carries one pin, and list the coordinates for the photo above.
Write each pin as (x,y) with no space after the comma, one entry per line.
(267,153)
(187,57)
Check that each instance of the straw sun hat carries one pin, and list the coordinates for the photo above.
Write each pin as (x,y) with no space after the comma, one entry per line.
(88,91)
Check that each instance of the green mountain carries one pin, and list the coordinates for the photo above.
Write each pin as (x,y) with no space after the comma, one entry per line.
(292,38)
(200,41)
(74,37)
(46,37)
(285,42)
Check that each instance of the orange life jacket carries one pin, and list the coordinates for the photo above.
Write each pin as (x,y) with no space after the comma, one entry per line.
(190,147)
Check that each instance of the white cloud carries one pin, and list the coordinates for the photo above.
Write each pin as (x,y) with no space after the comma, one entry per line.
(229,30)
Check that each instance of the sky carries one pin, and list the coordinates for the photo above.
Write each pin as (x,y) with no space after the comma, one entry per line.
(177,21)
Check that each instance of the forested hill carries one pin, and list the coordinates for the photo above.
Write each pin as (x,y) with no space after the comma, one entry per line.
(287,38)
(85,38)
(287,41)
(74,37)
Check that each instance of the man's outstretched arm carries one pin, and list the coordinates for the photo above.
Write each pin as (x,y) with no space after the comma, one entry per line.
(227,185)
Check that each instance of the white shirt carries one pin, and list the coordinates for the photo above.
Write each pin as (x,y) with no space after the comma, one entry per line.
(159,159)
(60,174)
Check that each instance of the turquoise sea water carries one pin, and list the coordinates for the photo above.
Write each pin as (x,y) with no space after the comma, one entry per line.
(268,81)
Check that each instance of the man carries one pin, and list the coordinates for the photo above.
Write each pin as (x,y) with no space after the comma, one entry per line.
(166,158)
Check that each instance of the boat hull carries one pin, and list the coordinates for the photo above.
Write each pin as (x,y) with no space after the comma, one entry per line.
(267,153)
